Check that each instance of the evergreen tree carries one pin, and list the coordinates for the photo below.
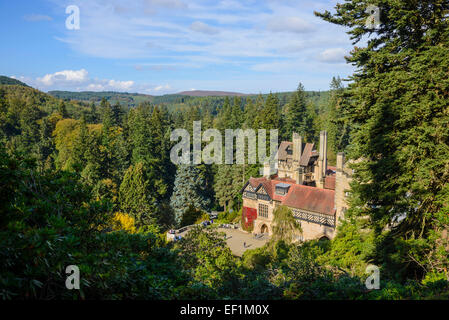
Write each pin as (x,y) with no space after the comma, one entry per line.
(271,113)
(107,115)
(398,110)
(228,182)
(45,145)
(117,114)
(236,114)
(338,129)
(300,117)
(225,116)
(250,114)
(190,188)
(62,110)
(135,195)
(93,116)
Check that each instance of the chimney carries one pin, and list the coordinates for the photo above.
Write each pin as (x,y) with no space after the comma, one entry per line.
(340,161)
(297,147)
(323,153)
(300,175)
(267,170)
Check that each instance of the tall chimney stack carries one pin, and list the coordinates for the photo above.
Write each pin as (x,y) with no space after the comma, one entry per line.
(323,152)
(340,161)
(267,170)
(297,147)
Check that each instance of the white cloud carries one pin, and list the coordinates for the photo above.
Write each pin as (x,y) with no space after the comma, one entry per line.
(228,38)
(65,76)
(334,55)
(201,27)
(289,24)
(162,87)
(120,85)
(79,80)
(96,87)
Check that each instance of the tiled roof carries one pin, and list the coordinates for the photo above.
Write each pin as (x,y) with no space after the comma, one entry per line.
(311,199)
(329,182)
(306,154)
(282,153)
(299,196)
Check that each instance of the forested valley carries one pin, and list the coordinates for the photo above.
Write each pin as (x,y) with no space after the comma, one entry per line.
(91,183)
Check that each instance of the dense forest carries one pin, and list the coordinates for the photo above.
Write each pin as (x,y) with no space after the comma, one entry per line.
(91,183)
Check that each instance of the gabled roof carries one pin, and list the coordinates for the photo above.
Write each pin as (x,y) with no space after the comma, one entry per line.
(298,196)
(306,154)
(311,199)
(282,151)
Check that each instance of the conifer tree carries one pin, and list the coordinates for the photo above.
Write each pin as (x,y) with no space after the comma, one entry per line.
(299,116)
(271,113)
(135,195)
(62,110)
(45,145)
(236,114)
(338,129)
(190,188)
(398,110)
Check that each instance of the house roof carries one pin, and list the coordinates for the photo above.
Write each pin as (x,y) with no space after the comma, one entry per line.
(306,154)
(282,151)
(298,196)
(329,182)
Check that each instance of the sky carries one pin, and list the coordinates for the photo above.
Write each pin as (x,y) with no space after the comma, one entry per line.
(166,46)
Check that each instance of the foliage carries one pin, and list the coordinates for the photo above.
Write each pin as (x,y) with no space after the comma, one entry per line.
(190,190)
(285,226)
(397,108)
(125,222)
(50,222)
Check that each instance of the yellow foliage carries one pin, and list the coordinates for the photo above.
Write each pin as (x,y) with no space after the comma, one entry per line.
(123,221)
(65,133)
(106,186)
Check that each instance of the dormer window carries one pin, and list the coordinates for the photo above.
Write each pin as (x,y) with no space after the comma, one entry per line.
(281,189)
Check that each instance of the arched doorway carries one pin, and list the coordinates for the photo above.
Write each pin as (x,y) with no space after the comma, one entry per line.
(264,229)
(324,238)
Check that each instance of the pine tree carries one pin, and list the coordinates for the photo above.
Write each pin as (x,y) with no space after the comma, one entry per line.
(398,110)
(107,116)
(62,110)
(236,114)
(225,116)
(271,113)
(190,188)
(228,182)
(135,195)
(45,145)
(117,114)
(338,129)
(250,114)
(300,117)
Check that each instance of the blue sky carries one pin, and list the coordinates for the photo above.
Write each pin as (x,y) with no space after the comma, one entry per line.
(167,46)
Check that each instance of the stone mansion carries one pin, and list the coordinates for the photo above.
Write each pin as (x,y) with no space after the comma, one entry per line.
(315,192)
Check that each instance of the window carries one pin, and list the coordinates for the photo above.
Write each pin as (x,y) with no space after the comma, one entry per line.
(263,210)
(282,189)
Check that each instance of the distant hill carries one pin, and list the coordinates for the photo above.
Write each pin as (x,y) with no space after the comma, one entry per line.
(211,100)
(205,93)
(11,81)
(124,98)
